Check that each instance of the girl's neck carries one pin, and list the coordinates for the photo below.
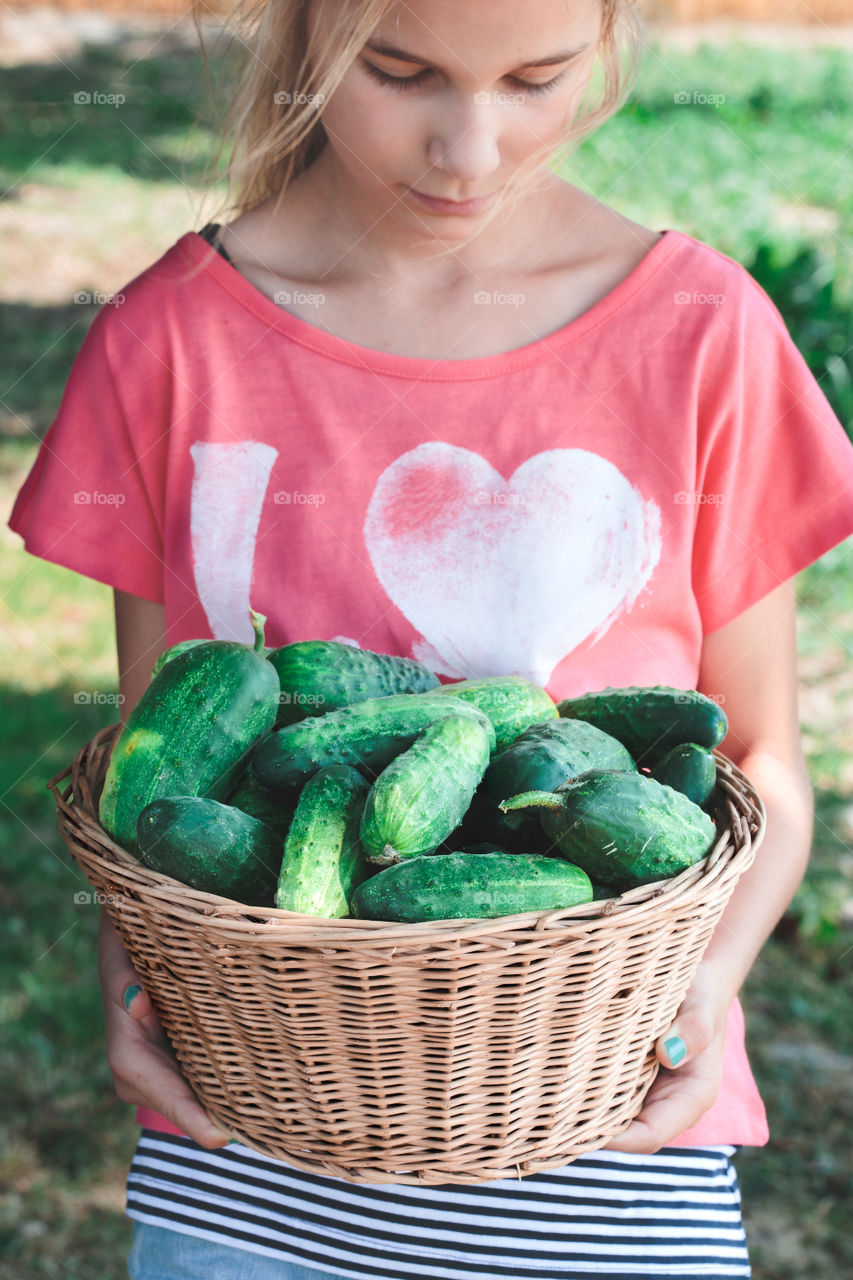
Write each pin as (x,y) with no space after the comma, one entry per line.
(360,241)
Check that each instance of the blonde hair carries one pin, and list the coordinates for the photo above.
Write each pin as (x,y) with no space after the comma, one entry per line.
(279,68)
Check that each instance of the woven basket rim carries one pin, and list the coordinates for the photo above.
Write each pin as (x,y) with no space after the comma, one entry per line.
(77,808)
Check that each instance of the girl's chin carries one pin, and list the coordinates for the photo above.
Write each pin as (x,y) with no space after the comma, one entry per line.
(437,226)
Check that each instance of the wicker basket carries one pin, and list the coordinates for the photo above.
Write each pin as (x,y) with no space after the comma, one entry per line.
(448,1052)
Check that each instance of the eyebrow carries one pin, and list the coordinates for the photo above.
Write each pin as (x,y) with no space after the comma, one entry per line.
(393,51)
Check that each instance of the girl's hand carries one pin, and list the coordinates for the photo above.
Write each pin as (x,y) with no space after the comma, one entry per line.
(144,1070)
(691,1053)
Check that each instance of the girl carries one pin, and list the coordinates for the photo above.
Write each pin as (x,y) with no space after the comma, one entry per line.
(422,394)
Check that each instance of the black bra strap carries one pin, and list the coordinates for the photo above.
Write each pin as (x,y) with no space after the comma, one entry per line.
(209,233)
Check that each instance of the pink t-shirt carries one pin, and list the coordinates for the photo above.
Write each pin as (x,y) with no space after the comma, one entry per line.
(581,510)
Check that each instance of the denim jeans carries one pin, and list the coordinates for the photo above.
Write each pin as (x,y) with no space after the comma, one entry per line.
(161,1254)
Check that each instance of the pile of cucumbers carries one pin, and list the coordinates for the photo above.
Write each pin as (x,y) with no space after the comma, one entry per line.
(334,781)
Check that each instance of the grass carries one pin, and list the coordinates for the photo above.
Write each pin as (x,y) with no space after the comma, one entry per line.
(772,155)
(114,191)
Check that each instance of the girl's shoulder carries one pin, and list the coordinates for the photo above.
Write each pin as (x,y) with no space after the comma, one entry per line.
(154,300)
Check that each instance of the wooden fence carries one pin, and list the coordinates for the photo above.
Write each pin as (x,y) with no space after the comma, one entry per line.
(785,12)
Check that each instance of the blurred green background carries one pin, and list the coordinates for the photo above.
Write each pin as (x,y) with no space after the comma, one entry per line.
(92,194)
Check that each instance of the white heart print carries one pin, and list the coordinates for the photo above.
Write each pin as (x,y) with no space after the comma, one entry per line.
(508,576)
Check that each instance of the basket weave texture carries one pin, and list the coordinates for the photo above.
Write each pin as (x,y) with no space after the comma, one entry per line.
(446,1052)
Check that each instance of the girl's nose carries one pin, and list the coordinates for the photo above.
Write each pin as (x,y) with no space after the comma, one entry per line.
(464,143)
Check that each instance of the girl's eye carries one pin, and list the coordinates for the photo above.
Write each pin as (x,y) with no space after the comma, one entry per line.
(394,82)
(539,88)
(400,83)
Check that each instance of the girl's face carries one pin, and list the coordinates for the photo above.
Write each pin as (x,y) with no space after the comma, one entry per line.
(449,98)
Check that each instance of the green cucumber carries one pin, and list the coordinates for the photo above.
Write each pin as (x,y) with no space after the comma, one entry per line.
(423,794)
(547,754)
(172,652)
(323,860)
(181,647)
(602,892)
(623,828)
(484,823)
(649,721)
(690,769)
(212,847)
(276,810)
(318,676)
(191,731)
(511,703)
(540,759)
(367,735)
(468,886)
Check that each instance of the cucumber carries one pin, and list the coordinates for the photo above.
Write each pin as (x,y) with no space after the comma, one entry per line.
(323,860)
(511,703)
(546,754)
(690,769)
(367,736)
(423,794)
(191,731)
(601,892)
(484,823)
(650,721)
(484,846)
(211,846)
(539,759)
(181,647)
(623,828)
(275,810)
(318,676)
(172,652)
(453,886)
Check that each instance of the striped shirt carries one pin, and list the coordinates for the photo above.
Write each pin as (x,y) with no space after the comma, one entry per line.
(674,1214)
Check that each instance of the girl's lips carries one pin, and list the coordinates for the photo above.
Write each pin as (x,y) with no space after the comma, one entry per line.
(453,207)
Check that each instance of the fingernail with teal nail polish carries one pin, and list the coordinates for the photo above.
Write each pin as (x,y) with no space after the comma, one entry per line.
(675,1048)
(130,995)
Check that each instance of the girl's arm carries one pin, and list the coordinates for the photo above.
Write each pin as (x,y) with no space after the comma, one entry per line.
(144,1070)
(750,664)
(140,639)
